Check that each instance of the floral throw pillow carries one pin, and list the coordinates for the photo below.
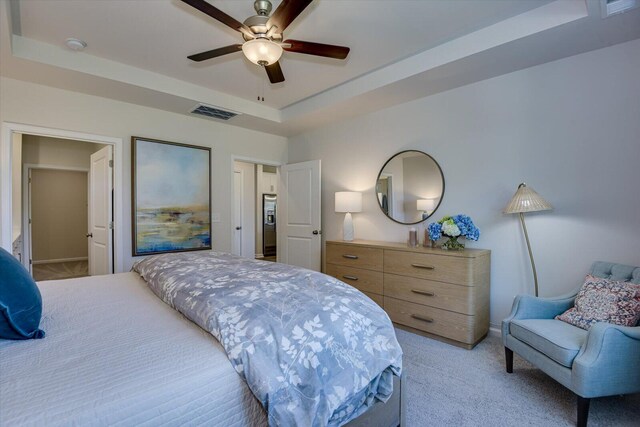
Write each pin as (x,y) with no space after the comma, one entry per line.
(604,300)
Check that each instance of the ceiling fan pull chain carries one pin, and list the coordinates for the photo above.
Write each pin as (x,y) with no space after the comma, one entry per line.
(260,89)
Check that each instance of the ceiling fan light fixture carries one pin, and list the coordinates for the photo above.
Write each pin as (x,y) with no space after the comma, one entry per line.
(262,51)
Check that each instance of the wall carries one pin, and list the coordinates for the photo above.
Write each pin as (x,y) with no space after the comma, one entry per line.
(569,128)
(27,103)
(59,208)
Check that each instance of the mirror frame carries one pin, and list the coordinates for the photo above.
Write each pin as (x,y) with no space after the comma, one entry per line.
(380,173)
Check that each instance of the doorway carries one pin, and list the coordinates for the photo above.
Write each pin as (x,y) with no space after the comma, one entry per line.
(57,200)
(11,230)
(255,189)
(297,219)
(67,199)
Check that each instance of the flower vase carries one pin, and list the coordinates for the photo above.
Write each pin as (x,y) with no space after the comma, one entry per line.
(452,244)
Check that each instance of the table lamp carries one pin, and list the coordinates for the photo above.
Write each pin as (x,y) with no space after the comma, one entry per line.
(348,202)
(527,200)
(426,206)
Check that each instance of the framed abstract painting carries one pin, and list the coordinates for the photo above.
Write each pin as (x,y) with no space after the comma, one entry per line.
(171,197)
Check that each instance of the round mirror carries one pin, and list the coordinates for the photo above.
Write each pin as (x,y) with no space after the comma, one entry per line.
(410,187)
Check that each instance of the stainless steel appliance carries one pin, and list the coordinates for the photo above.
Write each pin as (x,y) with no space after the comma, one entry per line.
(269,237)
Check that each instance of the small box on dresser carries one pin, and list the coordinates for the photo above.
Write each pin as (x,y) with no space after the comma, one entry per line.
(437,293)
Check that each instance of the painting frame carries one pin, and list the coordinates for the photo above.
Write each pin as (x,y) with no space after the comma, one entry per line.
(203,239)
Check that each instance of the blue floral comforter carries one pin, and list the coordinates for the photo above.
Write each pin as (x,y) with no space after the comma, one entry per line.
(314,350)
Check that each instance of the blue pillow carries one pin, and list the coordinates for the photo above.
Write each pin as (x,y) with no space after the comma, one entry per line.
(20,301)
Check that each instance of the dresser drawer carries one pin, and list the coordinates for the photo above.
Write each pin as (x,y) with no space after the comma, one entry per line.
(455,326)
(461,299)
(355,256)
(378,299)
(443,268)
(363,280)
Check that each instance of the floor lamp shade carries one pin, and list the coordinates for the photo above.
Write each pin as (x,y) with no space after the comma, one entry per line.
(527,200)
(348,202)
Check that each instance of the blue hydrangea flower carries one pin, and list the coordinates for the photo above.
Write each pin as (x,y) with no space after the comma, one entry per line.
(467,227)
(435,231)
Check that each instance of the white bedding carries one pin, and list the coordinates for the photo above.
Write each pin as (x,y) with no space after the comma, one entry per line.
(115,354)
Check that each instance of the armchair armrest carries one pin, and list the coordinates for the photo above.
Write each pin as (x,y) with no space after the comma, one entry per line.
(530,307)
(607,363)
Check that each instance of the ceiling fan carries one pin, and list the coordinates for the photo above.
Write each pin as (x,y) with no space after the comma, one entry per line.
(262,35)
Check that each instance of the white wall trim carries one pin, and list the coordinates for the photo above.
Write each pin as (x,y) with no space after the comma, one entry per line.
(8,128)
(59,260)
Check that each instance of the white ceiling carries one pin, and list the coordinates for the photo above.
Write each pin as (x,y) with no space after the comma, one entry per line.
(400,50)
(158,35)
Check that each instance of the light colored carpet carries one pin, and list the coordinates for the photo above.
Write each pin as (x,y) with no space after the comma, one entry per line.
(449,386)
(60,270)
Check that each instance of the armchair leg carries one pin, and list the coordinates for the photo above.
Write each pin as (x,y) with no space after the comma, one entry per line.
(508,354)
(583,411)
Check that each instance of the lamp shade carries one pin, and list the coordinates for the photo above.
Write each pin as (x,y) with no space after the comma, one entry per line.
(262,51)
(426,205)
(348,201)
(526,200)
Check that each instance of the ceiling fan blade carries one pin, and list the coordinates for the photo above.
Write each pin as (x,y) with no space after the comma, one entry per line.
(317,49)
(275,73)
(216,14)
(202,56)
(286,13)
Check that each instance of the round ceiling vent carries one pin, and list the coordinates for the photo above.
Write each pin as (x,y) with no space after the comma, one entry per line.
(75,44)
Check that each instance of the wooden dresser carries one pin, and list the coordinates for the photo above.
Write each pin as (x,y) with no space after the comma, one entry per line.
(437,293)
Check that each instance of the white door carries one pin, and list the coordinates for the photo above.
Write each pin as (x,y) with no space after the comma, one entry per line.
(237,213)
(298,212)
(100,234)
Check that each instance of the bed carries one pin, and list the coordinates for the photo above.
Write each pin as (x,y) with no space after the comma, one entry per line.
(116,354)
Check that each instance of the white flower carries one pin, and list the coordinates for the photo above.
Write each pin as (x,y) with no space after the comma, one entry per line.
(450,229)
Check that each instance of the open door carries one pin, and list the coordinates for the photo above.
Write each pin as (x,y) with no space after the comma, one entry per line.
(100,234)
(299,234)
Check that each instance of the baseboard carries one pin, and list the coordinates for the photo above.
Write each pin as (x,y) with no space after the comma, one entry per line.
(57,261)
(495,331)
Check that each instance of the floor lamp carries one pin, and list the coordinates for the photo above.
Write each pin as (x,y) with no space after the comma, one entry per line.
(527,200)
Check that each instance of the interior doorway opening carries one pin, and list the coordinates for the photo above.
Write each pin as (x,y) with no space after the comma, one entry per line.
(62,206)
(255,219)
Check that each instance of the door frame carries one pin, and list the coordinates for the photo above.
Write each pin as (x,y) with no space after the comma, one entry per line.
(255,161)
(26,208)
(233,212)
(6,180)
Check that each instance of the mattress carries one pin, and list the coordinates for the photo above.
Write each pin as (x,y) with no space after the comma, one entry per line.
(115,354)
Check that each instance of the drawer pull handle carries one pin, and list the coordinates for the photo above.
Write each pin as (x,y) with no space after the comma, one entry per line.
(350,256)
(354,278)
(429,294)
(424,319)
(426,267)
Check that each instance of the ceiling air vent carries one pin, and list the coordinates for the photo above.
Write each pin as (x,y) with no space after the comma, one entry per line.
(612,7)
(213,112)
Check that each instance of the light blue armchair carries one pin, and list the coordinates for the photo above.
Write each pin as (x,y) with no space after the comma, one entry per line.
(603,361)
